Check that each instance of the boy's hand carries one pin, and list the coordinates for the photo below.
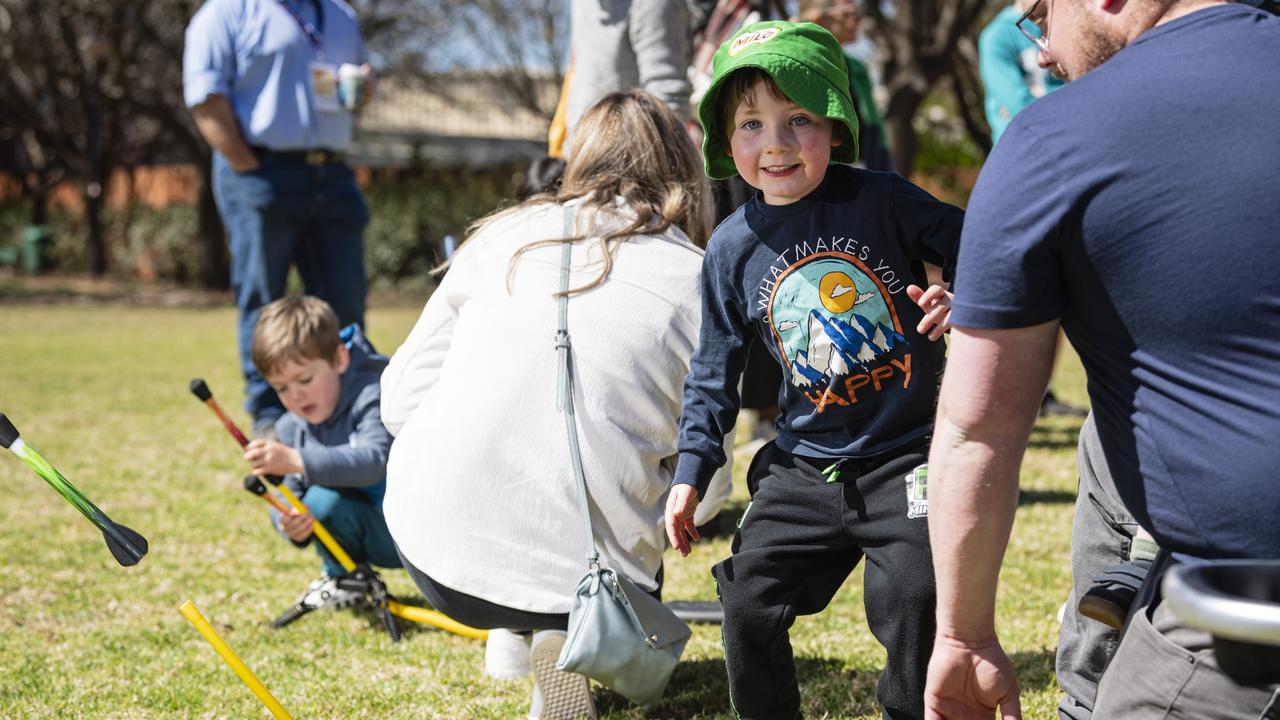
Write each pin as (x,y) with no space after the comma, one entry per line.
(936,304)
(681,503)
(268,457)
(296,526)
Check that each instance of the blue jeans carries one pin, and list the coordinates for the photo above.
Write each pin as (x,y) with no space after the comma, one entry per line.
(285,213)
(356,523)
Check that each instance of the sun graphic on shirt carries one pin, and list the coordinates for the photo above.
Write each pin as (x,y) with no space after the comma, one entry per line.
(837,292)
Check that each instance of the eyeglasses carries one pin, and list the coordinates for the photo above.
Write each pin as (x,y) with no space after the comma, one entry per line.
(1031,29)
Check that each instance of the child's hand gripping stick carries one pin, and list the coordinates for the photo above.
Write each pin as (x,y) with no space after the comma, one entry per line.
(202,392)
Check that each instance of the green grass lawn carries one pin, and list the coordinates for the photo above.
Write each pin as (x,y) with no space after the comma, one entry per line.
(102,393)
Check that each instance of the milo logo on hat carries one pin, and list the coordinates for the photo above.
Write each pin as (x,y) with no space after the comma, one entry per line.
(751,38)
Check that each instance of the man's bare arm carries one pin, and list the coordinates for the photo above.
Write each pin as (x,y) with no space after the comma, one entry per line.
(992,389)
(217,124)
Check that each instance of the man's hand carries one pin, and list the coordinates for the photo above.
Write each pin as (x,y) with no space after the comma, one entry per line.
(969,680)
(244,163)
(936,304)
(681,504)
(268,457)
(297,526)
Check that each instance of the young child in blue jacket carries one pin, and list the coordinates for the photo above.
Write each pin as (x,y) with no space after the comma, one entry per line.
(331,447)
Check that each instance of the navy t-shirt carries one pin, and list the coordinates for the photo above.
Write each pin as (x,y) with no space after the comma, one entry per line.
(822,283)
(1141,206)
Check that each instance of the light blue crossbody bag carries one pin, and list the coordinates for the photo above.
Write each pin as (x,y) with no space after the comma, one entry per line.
(619,635)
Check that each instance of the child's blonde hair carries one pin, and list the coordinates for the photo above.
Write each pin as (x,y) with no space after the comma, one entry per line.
(630,145)
(299,328)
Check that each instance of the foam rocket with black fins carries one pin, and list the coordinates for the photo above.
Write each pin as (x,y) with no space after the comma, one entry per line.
(126,545)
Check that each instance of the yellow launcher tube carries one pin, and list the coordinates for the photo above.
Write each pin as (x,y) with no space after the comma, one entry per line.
(192,613)
(320,532)
(408,612)
(431,617)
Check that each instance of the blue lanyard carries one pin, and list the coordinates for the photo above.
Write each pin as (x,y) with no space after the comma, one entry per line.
(313,33)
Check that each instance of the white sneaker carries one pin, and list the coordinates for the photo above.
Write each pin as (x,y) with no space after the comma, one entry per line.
(506,654)
(556,695)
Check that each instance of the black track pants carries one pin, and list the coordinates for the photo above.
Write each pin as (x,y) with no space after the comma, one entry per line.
(798,542)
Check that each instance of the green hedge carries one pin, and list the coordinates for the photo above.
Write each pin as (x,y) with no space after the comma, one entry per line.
(411,213)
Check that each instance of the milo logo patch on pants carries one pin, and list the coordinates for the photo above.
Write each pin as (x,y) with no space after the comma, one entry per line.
(918,492)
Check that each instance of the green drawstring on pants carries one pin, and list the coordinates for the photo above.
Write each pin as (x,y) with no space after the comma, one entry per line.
(833,471)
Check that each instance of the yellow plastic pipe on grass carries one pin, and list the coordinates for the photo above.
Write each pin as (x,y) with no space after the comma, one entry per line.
(431,617)
(192,614)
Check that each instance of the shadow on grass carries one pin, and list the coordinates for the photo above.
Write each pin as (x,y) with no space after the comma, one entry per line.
(828,688)
(408,628)
(1046,497)
(1046,436)
(1034,670)
(725,523)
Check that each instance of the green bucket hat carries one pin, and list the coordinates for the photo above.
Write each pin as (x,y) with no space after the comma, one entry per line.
(808,65)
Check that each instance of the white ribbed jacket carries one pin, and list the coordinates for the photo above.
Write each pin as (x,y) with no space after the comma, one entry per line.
(480,491)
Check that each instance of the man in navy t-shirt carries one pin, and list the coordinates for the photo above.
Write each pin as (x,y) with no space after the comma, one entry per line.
(1137,208)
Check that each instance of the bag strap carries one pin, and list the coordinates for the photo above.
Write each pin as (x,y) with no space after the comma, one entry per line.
(564,348)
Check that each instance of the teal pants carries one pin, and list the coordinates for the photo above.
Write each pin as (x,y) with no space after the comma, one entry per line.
(355,520)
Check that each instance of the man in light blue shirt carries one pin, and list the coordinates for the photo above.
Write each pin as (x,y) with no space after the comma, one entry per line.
(261,78)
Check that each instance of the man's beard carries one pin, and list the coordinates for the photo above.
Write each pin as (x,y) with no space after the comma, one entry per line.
(1096,47)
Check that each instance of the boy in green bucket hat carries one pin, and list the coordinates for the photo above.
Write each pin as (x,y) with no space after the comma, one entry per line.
(826,266)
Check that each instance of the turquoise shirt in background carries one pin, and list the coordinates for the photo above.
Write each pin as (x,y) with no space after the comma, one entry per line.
(1011,78)
(258,55)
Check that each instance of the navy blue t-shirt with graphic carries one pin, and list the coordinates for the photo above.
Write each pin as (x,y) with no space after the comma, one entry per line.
(1140,205)
(822,283)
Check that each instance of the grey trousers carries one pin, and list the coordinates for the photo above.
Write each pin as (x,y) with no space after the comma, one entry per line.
(1164,669)
(1101,534)
(1158,669)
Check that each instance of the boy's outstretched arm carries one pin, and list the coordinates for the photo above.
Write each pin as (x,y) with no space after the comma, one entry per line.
(709,406)
(928,229)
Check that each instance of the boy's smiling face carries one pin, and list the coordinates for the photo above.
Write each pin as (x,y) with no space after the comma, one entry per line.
(779,147)
(310,388)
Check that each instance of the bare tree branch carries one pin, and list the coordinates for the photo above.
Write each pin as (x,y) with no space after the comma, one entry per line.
(921,41)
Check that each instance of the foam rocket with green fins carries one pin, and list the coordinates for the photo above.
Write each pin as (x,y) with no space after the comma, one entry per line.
(126,546)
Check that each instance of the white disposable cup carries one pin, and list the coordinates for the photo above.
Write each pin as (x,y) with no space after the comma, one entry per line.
(351,79)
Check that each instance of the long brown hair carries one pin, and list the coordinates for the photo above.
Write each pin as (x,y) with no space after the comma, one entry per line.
(629,145)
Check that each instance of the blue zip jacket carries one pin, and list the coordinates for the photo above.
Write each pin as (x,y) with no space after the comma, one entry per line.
(349,450)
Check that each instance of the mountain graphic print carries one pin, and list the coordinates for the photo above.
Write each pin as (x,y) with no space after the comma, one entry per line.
(832,318)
